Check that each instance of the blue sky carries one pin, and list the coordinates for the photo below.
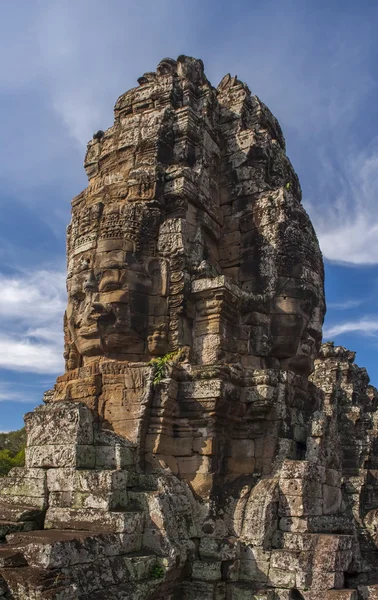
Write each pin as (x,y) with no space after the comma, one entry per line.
(62,66)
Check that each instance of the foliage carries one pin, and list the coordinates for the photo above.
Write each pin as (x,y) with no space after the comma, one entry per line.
(13,441)
(12,450)
(287,186)
(7,462)
(157,572)
(159,365)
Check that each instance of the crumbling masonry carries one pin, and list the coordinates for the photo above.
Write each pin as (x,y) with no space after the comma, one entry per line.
(245,466)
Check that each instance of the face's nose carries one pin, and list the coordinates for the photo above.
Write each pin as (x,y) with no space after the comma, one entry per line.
(92,310)
(96,308)
(90,283)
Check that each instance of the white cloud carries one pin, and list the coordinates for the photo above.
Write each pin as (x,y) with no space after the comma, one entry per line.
(10,393)
(345,305)
(364,326)
(31,317)
(25,355)
(36,297)
(347,224)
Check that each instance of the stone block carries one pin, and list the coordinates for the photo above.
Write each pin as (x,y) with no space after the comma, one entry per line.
(308,489)
(101,480)
(116,500)
(21,472)
(114,457)
(192,464)
(204,445)
(241,466)
(57,549)
(287,560)
(281,578)
(332,477)
(319,581)
(372,592)
(59,423)
(242,591)
(201,389)
(18,512)
(241,449)
(344,595)
(35,502)
(221,549)
(298,469)
(192,590)
(328,559)
(163,444)
(61,479)
(312,541)
(207,570)
(332,499)
(202,484)
(297,506)
(293,524)
(132,568)
(330,524)
(94,520)
(314,448)
(60,456)
(21,482)
(254,564)
(61,499)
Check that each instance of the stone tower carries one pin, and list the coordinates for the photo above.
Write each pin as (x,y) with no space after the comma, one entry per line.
(186,452)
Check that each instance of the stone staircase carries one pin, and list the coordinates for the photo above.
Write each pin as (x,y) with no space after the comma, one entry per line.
(73,564)
(73,523)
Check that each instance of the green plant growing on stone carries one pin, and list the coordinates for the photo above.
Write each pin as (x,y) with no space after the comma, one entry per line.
(288,185)
(159,365)
(157,572)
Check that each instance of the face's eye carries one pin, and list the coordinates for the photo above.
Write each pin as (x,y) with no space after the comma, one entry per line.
(109,286)
(109,281)
(307,306)
(77,297)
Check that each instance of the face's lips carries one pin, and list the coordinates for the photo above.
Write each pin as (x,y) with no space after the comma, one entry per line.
(307,347)
(89,332)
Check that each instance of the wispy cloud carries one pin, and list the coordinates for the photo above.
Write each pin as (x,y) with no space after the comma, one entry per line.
(345,305)
(347,224)
(26,355)
(88,57)
(36,297)
(31,316)
(364,326)
(9,394)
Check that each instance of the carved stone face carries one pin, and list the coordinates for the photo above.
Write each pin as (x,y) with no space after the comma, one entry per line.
(108,308)
(308,347)
(296,329)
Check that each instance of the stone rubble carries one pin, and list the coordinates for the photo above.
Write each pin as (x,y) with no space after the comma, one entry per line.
(246,467)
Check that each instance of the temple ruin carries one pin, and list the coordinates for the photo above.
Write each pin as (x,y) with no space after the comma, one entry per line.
(202,443)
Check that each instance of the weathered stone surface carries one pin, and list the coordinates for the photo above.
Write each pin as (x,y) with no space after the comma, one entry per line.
(201,443)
